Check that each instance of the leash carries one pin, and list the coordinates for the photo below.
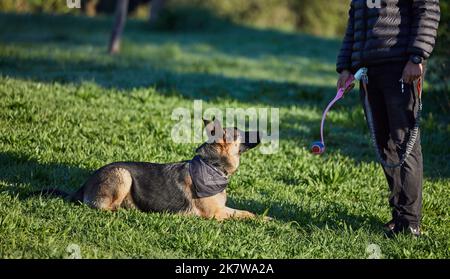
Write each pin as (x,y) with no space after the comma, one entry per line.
(413,134)
(318,147)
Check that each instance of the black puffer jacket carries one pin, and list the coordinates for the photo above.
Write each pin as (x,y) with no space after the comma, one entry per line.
(393,31)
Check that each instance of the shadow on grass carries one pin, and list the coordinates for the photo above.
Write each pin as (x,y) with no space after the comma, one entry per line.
(82,30)
(205,86)
(331,216)
(17,169)
(27,175)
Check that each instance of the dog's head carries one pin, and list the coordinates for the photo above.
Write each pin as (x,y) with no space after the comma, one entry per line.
(225,145)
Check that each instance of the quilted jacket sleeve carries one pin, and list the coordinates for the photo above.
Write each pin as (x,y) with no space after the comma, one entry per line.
(344,59)
(426,15)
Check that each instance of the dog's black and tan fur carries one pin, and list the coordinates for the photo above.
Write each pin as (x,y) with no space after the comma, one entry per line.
(155,187)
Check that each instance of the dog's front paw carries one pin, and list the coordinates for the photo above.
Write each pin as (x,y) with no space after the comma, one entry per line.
(267,218)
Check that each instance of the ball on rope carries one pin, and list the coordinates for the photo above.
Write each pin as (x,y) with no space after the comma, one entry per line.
(317,147)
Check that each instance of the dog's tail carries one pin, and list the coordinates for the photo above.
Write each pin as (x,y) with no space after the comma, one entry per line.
(55,192)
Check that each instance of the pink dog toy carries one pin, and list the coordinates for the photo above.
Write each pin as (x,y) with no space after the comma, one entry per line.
(318,147)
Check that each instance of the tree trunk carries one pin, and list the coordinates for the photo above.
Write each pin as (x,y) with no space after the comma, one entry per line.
(119,24)
(89,8)
(155,10)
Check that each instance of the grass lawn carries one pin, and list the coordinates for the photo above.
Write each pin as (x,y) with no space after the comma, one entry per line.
(67,108)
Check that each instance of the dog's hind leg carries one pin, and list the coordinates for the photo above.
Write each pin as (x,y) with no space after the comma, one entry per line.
(109,189)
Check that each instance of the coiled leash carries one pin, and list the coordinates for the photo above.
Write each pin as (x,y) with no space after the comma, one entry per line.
(318,147)
(413,134)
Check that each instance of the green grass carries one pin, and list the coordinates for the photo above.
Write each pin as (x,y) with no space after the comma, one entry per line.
(67,108)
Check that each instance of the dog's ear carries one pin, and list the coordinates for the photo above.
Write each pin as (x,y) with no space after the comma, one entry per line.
(213,128)
(206,122)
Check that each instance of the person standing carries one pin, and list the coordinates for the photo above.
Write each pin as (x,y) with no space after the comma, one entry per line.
(393,39)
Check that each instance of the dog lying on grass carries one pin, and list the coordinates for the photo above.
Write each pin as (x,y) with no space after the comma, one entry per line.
(195,187)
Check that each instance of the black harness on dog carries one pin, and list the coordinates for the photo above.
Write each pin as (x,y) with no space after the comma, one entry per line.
(207,179)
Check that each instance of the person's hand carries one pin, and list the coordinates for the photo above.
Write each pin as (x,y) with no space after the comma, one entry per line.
(411,72)
(343,77)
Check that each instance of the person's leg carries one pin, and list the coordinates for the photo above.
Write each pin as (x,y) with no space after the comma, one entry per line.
(382,133)
(406,181)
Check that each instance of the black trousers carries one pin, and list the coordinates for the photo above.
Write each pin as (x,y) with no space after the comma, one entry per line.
(394,115)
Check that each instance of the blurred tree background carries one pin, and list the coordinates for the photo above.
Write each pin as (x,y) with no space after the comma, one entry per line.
(319,17)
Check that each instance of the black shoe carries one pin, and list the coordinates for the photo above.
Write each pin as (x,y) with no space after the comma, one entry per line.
(389,226)
(413,230)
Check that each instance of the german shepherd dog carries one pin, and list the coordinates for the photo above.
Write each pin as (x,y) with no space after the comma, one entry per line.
(173,187)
